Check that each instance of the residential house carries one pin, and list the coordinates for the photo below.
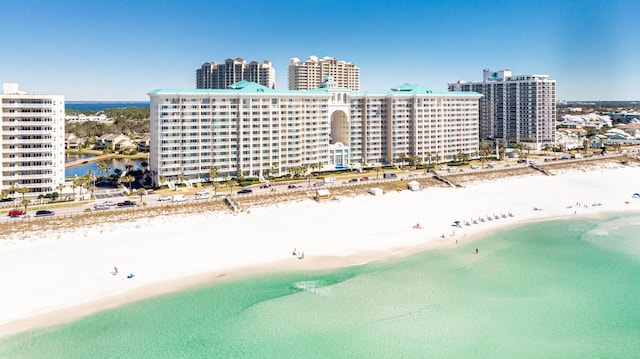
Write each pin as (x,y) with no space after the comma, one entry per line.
(72,142)
(116,142)
(144,143)
(633,129)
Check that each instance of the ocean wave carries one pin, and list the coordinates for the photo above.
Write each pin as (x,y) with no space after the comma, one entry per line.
(318,287)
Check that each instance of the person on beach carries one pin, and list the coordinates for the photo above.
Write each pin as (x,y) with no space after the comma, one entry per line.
(115,270)
(476,250)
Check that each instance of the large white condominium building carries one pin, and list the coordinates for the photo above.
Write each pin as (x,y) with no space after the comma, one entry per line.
(32,141)
(308,75)
(252,130)
(515,109)
(220,76)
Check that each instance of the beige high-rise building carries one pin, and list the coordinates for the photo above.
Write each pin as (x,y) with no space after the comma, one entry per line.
(250,130)
(32,147)
(308,75)
(212,75)
(515,108)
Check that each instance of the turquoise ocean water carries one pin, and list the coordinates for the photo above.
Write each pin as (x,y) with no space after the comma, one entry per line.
(558,289)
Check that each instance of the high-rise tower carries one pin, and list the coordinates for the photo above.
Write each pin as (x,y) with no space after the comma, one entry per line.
(515,109)
(212,75)
(308,75)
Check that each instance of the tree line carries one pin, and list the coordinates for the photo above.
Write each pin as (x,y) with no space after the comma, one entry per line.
(129,121)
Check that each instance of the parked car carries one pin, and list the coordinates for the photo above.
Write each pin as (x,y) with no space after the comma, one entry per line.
(245,191)
(44,212)
(293,186)
(100,207)
(127,203)
(353,180)
(364,179)
(179,198)
(109,203)
(164,198)
(205,195)
(202,192)
(16,212)
(318,184)
(266,185)
(389,175)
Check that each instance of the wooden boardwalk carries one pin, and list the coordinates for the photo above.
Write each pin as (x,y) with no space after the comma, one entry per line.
(86,160)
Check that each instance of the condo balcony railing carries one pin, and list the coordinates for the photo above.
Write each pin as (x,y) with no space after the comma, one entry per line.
(27,150)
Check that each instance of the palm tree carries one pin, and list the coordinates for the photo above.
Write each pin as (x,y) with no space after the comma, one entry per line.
(141,192)
(128,166)
(127,179)
(76,183)
(520,146)
(501,149)
(4,194)
(90,182)
(60,187)
(182,177)
(273,169)
(116,174)
(377,168)
(103,168)
(313,167)
(402,158)
(462,157)
(25,203)
(416,160)
(23,191)
(585,146)
(215,188)
(213,174)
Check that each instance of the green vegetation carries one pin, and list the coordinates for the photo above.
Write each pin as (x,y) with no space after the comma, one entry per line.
(129,121)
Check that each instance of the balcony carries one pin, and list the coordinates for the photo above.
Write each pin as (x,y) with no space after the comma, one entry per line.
(15,132)
(15,178)
(20,141)
(27,168)
(28,150)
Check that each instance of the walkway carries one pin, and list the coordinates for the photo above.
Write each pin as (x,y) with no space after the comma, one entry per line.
(86,160)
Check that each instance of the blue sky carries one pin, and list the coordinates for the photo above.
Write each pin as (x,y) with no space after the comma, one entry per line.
(119,50)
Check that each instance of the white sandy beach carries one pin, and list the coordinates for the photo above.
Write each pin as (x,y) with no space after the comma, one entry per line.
(53,277)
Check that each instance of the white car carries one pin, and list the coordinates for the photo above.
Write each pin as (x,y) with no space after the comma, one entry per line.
(179,198)
(109,203)
(164,198)
(202,192)
(203,195)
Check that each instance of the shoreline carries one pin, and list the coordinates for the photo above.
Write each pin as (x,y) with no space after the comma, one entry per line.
(348,249)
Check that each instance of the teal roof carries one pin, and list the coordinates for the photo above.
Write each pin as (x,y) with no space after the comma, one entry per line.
(413,89)
(248,87)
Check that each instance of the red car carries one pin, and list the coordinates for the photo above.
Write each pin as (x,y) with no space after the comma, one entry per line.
(364,179)
(16,212)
